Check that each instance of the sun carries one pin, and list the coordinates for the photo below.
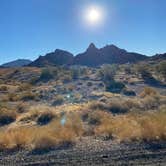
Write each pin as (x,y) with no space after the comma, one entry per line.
(93,15)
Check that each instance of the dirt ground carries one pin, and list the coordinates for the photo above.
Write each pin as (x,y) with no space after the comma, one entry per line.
(91,151)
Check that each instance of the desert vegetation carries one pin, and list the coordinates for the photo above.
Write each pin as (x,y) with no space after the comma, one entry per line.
(44,108)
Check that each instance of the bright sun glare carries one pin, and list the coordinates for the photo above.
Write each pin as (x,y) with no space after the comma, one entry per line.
(93,15)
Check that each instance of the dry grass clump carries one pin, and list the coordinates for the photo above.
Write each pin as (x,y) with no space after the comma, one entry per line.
(3,88)
(149,126)
(96,105)
(22,107)
(26,96)
(24,87)
(43,137)
(148,92)
(16,138)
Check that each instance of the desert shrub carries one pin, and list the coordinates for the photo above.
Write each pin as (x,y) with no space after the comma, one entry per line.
(13,97)
(127,69)
(148,91)
(89,83)
(46,75)
(114,86)
(150,126)
(153,126)
(45,118)
(7,117)
(33,80)
(24,87)
(32,116)
(75,73)
(3,88)
(66,78)
(107,72)
(95,105)
(145,72)
(70,87)
(150,102)
(16,139)
(161,68)
(128,92)
(131,104)
(22,107)
(94,118)
(28,96)
(117,107)
(58,100)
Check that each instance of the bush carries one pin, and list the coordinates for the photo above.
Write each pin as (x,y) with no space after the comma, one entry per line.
(128,92)
(3,88)
(107,72)
(28,96)
(114,86)
(95,105)
(24,87)
(45,118)
(89,83)
(150,126)
(58,100)
(7,117)
(117,107)
(161,68)
(46,75)
(75,73)
(144,71)
(148,91)
(22,107)
(13,97)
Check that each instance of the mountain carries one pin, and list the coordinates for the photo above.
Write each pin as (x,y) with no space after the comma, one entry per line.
(17,63)
(108,54)
(159,57)
(58,57)
(93,56)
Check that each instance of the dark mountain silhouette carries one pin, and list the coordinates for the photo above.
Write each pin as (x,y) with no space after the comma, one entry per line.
(159,57)
(17,63)
(108,54)
(58,57)
(91,57)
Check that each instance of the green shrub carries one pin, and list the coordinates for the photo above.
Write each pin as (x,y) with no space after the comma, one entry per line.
(107,72)
(161,68)
(46,75)
(128,92)
(114,86)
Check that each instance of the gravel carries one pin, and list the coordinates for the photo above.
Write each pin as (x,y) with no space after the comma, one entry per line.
(91,151)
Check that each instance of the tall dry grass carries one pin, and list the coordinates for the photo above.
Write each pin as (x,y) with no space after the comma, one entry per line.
(149,126)
(42,137)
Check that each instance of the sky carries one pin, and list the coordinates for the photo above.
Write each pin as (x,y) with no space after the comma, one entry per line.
(29,28)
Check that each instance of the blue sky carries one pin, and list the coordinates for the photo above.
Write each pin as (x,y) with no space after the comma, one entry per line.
(29,28)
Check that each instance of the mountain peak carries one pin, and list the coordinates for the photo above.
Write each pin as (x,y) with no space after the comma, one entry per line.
(92,47)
